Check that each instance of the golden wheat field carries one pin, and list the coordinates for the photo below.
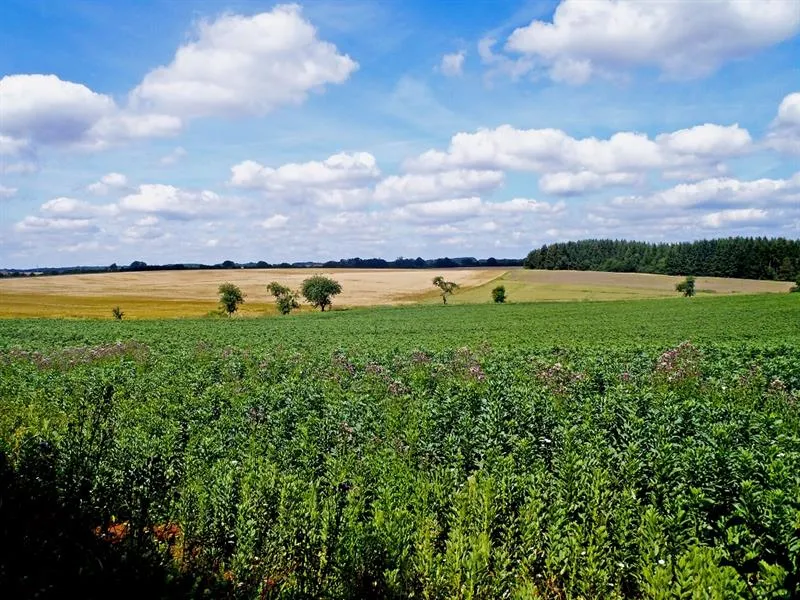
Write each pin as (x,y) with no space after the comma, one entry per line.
(158,294)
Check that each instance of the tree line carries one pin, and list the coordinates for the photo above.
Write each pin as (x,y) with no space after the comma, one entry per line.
(345,263)
(740,257)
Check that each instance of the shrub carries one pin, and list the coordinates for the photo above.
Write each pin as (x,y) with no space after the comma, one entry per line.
(117,312)
(230,297)
(686,287)
(499,294)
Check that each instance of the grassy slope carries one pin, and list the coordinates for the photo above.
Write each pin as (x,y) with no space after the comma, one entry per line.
(765,318)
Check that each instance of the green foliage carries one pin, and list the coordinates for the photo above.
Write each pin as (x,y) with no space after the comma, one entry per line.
(611,471)
(686,287)
(499,294)
(117,313)
(230,297)
(749,258)
(285,297)
(318,291)
(446,288)
(796,287)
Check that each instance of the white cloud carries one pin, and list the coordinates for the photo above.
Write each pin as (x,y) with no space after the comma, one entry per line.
(568,184)
(172,202)
(107,183)
(244,64)
(453,64)
(7,192)
(577,165)
(683,39)
(275,222)
(719,192)
(35,224)
(73,208)
(784,134)
(459,209)
(336,172)
(524,205)
(738,216)
(173,157)
(45,110)
(418,187)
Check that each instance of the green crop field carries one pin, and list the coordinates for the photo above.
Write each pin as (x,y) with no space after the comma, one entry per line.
(622,449)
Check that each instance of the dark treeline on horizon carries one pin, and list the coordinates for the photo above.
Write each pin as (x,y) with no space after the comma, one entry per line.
(740,257)
(345,263)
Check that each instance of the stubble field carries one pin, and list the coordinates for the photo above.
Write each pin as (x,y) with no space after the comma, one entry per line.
(163,294)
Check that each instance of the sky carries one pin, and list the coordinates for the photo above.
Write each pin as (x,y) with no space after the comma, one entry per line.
(205,130)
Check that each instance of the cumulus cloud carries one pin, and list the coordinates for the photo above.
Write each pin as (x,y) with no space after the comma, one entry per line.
(74,208)
(275,222)
(719,192)
(738,216)
(107,183)
(459,209)
(452,65)
(34,224)
(684,40)
(7,192)
(336,172)
(784,134)
(244,64)
(417,187)
(578,165)
(45,110)
(171,202)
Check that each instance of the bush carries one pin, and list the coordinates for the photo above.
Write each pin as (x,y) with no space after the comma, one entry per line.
(319,289)
(117,312)
(796,288)
(686,287)
(499,294)
(230,297)
(285,298)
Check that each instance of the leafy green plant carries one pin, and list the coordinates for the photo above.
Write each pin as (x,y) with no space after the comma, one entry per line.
(319,290)
(686,287)
(285,297)
(230,297)
(499,294)
(117,313)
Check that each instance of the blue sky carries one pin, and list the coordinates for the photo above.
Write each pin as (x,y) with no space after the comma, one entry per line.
(203,130)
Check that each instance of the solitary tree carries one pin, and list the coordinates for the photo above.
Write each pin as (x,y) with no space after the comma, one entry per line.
(319,289)
(686,287)
(117,312)
(499,294)
(446,287)
(230,296)
(796,288)
(285,298)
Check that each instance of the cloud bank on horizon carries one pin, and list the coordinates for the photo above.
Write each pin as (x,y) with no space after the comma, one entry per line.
(339,129)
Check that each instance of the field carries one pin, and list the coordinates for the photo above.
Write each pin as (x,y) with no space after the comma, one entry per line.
(631,449)
(163,294)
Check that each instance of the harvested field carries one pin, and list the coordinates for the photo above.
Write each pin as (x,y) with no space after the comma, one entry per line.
(158,294)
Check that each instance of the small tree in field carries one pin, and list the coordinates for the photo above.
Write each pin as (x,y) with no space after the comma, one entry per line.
(319,289)
(686,287)
(796,288)
(117,312)
(499,294)
(446,287)
(285,298)
(230,297)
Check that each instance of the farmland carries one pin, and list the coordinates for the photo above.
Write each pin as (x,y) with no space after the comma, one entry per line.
(644,448)
(165,294)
